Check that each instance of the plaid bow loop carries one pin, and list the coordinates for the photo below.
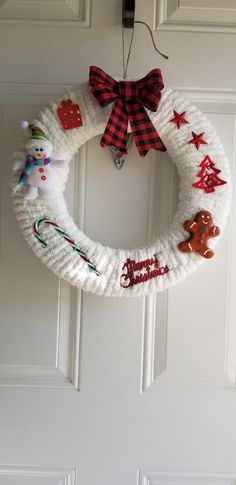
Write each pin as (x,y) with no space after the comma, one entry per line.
(130,98)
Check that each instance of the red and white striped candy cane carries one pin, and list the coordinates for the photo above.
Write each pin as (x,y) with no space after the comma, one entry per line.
(45,220)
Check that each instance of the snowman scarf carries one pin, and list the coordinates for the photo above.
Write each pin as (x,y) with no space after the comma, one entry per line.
(31,162)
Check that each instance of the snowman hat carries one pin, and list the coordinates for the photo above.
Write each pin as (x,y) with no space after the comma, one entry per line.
(36,132)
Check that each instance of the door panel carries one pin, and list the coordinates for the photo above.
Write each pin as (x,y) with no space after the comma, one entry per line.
(151,380)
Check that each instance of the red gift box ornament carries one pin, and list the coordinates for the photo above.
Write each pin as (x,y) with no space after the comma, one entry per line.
(69,114)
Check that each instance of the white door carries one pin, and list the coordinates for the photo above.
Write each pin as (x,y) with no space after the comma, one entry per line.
(101,391)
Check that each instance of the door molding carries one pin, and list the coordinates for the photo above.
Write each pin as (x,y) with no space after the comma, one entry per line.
(67,476)
(171,15)
(179,478)
(69,13)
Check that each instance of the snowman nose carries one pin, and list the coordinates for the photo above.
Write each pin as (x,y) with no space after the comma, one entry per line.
(39,152)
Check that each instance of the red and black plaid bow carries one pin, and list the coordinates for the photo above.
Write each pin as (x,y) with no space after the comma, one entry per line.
(130,98)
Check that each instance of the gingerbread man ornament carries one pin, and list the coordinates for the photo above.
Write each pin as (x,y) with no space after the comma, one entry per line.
(201,229)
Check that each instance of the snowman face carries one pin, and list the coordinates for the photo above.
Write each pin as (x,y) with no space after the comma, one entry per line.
(39,148)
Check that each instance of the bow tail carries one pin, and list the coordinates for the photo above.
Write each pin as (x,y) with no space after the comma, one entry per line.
(115,133)
(145,135)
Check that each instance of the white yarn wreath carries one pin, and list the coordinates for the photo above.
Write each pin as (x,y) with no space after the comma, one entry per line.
(119,272)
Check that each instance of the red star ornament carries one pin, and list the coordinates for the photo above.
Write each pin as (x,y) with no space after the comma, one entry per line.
(197,140)
(179,119)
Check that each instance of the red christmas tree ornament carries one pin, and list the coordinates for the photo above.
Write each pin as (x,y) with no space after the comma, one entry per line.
(69,114)
(208,175)
(179,119)
(197,140)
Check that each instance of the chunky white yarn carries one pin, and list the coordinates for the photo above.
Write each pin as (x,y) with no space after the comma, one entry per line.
(58,255)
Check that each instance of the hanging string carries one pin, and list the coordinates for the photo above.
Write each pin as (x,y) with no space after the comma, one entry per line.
(123,50)
(126,63)
(153,41)
(129,53)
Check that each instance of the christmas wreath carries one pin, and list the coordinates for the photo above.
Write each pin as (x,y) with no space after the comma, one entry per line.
(159,119)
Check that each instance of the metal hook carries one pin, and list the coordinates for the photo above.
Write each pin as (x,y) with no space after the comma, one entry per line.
(128,21)
(128,14)
(151,34)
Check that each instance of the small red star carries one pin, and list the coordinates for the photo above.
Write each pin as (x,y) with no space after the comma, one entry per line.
(197,140)
(179,119)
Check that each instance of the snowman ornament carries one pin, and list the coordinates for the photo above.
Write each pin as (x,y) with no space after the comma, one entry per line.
(38,174)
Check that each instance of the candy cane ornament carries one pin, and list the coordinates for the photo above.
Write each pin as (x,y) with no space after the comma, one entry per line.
(59,230)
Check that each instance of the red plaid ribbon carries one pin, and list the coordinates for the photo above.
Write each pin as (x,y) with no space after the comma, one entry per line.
(130,98)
